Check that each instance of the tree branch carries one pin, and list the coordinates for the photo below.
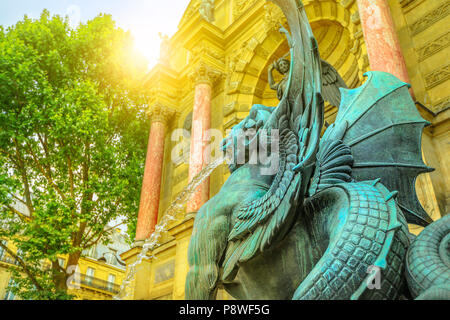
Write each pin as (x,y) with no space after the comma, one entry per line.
(23,265)
(23,172)
(89,244)
(45,174)
(18,213)
(45,147)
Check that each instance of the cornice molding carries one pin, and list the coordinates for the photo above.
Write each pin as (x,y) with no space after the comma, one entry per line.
(205,50)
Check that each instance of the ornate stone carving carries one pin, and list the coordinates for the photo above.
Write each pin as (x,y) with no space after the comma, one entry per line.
(358,33)
(355,46)
(164,92)
(229,108)
(273,18)
(354,18)
(192,9)
(207,10)
(442,104)
(205,50)
(366,63)
(239,6)
(430,18)
(160,113)
(437,76)
(205,74)
(246,90)
(434,46)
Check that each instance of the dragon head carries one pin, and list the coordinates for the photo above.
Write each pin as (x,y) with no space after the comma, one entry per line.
(236,144)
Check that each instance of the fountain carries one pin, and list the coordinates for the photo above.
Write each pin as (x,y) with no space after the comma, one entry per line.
(334,218)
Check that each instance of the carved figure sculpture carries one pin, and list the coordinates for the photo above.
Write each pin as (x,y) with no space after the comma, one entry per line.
(331,80)
(207,10)
(164,51)
(282,65)
(338,206)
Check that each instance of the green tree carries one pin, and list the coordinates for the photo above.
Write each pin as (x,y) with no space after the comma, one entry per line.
(73,134)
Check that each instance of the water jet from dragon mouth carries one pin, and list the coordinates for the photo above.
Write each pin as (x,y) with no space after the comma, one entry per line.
(171,214)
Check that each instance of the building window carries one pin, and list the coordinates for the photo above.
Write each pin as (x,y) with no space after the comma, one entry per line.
(111,281)
(90,275)
(9,294)
(61,262)
(19,255)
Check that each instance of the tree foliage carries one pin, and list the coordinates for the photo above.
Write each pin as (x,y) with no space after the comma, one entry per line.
(73,135)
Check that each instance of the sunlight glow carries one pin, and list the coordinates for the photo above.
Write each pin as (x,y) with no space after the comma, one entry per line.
(147,42)
(159,17)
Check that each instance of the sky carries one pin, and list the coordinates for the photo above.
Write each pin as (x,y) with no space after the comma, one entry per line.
(144,18)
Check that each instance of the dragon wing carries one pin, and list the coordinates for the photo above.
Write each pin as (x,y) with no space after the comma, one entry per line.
(382,127)
(299,119)
(331,83)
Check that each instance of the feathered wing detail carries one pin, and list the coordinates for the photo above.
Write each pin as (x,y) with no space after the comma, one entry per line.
(384,129)
(299,119)
(249,217)
(331,83)
(334,165)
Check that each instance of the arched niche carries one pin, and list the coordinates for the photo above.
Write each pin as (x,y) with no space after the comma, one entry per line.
(338,32)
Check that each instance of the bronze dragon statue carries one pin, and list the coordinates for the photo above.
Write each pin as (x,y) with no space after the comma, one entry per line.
(338,206)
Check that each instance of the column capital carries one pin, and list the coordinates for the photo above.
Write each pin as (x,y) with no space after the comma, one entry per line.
(273,17)
(160,113)
(205,74)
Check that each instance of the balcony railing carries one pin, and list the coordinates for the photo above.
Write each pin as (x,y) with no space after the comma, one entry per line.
(5,258)
(96,283)
(79,278)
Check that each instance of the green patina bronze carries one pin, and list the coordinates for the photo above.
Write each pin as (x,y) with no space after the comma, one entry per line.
(332,221)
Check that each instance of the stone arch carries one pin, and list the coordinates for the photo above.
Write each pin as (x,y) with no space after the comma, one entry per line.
(338,31)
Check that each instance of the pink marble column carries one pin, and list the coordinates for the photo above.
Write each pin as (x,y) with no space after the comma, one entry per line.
(199,157)
(383,46)
(151,186)
(203,77)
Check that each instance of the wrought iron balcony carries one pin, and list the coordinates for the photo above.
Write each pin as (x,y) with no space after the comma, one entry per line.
(7,259)
(96,283)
